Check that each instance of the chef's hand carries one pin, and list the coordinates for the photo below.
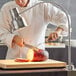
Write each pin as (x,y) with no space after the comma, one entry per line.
(18,40)
(55,35)
(52,37)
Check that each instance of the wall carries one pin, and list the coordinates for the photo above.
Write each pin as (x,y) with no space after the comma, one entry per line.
(69,5)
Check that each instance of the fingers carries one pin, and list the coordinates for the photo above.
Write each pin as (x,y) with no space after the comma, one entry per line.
(20,43)
(52,37)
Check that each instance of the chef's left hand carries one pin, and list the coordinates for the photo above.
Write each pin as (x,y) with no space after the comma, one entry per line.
(54,35)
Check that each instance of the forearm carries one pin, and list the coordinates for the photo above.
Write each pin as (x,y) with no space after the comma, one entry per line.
(6,37)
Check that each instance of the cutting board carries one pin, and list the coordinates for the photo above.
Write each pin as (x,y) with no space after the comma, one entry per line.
(11,64)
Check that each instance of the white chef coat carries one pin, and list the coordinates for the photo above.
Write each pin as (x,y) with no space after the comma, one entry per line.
(37,20)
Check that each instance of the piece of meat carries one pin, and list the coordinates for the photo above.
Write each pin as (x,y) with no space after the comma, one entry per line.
(33,56)
(36,55)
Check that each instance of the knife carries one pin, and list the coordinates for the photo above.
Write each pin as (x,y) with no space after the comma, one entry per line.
(31,47)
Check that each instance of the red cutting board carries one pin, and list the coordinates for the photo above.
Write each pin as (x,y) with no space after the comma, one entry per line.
(11,64)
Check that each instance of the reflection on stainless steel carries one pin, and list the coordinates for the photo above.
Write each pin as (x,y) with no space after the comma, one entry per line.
(17,20)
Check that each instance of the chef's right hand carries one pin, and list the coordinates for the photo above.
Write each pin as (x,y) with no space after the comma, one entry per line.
(18,40)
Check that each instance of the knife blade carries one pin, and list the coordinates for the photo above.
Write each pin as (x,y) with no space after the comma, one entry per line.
(31,47)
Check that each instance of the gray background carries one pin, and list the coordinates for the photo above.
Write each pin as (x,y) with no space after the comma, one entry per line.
(69,5)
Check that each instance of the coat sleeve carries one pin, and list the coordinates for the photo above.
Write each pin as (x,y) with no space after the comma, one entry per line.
(57,17)
(5,35)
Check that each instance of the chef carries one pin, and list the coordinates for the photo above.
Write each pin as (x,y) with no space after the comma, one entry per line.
(37,19)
